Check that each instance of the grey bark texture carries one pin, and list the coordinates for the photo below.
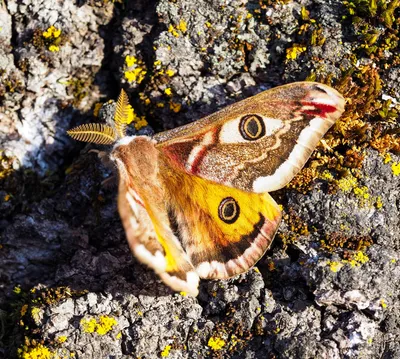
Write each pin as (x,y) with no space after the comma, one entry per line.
(64,261)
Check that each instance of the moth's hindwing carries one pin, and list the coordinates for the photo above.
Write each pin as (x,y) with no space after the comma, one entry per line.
(224,230)
(141,204)
(258,144)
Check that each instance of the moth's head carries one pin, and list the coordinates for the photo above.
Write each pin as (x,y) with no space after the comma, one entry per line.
(136,157)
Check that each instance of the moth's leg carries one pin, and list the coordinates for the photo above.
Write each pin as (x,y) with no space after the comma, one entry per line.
(103,155)
(109,182)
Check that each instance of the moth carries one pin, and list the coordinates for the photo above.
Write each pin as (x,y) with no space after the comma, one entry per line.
(194,200)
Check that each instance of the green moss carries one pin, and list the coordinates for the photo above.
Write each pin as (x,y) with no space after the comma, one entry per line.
(375,23)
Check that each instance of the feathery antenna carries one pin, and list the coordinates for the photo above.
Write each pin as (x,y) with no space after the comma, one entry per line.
(121,117)
(94,133)
(103,134)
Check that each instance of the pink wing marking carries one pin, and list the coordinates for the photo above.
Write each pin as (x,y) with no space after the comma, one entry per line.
(200,152)
(189,155)
(320,109)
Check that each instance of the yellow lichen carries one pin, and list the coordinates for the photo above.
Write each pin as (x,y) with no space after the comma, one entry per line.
(17,289)
(168,91)
(166,351)
(387,158)
(136,69)
(183,294)
(383,303)
(396,168)
(172,30)
(51,38)
(182,26)
(216,343)
(346,184)
(293,52)
(88,326)
(361,192)
(130,60)
(136,75)
(35,314)
(140,122)
(335,266)
(357,259)
(54,48)
(119,335)
(62,339)
(104,325)
(378,203)
(52,31)
(361,257)
(170,72)
(326,175)
(38,352)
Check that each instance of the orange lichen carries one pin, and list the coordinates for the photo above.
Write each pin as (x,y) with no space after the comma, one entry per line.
(333,241)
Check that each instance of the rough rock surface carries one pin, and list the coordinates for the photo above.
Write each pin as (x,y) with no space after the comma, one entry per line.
(68,283)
